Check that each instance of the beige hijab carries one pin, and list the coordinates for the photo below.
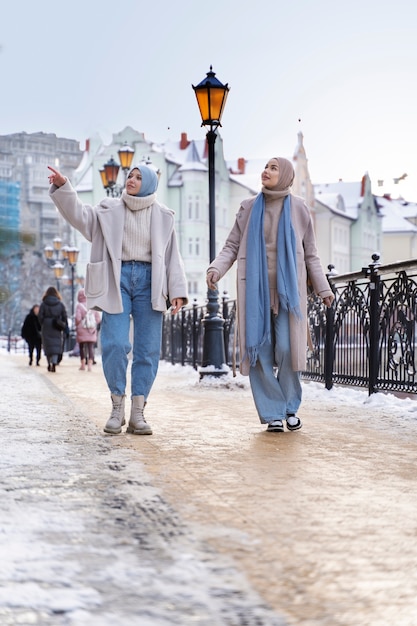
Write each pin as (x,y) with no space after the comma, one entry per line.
(285,180)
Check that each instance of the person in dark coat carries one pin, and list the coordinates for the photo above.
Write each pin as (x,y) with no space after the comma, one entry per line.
(31,333)
(53,320)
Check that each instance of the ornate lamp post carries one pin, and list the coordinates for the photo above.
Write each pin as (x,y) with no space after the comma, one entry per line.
(57,257)
(110,171)
(211,97)
(72,258)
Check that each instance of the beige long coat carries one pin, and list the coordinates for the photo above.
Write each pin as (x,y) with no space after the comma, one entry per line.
(103,226)
(307,261)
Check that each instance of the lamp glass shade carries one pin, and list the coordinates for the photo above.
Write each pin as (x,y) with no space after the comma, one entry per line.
(72,255)
(111,169)
(58,270)
(126,156)
(211,97)
(57,241)
(104,178)
(48,252)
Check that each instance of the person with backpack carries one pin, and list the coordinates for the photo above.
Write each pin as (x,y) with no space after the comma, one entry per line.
(86,323)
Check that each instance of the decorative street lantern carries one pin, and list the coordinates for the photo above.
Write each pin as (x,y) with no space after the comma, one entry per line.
(211,97)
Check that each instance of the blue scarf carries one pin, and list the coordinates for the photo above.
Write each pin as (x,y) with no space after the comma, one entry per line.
(258,316)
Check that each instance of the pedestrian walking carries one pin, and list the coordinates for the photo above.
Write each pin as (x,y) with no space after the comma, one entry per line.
(31,333)
(86,324)
(274,245)
(135,270)
(54,322)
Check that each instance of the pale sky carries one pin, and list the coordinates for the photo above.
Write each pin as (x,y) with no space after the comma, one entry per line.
(343,73)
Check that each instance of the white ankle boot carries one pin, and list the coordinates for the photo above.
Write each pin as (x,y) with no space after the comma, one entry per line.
(117,417)
(137,422)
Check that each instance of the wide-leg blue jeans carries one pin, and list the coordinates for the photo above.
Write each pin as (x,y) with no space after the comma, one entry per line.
(276,395)
(135,286)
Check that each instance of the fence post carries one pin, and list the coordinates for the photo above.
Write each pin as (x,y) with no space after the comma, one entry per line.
(172,339)
(329,343)
(183,337)
(374,297)
(195,334)
(226,327)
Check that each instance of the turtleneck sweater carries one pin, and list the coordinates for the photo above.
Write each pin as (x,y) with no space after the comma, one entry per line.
(274,201)
(136,244)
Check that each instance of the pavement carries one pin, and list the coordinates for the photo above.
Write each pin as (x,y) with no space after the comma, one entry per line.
(209,521)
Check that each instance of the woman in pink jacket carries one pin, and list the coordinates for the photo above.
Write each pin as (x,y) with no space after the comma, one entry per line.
(86,330)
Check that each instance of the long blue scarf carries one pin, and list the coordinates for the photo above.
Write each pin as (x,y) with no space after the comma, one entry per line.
(258,316)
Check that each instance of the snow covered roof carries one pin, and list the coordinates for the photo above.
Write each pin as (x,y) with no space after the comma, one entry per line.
(194,152)
(343,198)
(83,175)
(396,215)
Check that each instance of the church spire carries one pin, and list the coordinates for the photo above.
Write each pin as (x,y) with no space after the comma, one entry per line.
(302,184)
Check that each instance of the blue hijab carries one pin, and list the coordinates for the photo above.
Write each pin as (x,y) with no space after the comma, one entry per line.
(258,306)
(149,180)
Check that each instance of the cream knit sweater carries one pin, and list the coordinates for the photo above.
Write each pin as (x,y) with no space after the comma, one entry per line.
(136,244)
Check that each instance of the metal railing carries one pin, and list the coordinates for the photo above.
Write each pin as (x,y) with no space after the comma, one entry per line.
(367,338)
(182,336)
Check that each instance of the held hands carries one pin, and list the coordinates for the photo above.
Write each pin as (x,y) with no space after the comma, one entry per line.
(56,178)
(212,278)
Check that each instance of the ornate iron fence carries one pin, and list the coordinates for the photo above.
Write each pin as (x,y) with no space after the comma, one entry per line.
(182,335)
(367,338)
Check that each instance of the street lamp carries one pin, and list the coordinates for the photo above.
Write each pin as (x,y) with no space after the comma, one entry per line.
(57,257)
(110,171)
(211,97)
(72,258)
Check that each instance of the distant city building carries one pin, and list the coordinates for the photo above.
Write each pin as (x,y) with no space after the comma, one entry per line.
(29,217)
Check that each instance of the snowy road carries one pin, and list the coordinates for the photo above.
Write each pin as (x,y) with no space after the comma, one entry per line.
(211,520)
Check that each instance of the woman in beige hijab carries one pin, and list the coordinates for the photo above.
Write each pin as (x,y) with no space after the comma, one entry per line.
(274,245)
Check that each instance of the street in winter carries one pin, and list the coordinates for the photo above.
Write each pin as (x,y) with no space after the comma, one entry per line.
(210,520)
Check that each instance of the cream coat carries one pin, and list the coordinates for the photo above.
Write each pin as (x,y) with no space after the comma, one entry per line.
(307,262)
(103,227)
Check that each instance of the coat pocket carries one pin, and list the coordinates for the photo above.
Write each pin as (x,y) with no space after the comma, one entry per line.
(96,279)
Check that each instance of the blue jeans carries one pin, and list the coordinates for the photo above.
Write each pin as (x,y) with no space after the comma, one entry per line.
(135,284)
(276,396)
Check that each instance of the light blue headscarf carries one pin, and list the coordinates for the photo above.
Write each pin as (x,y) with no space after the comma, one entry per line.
(149,180)
(258,306)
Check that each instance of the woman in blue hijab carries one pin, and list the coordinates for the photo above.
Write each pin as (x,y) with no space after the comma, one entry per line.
(135,269)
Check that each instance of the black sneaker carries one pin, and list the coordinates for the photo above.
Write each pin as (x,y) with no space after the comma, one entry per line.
(296,423)
(275,427)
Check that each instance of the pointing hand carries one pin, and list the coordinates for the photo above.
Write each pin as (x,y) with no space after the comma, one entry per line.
(56,178)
